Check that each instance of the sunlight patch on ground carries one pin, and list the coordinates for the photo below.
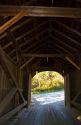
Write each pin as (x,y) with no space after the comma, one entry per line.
(47,98)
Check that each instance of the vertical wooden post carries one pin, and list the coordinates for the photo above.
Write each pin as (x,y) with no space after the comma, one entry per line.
(27,85)
(67,90)
(29,88)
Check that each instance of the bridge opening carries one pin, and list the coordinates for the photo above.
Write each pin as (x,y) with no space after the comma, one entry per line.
(47,87)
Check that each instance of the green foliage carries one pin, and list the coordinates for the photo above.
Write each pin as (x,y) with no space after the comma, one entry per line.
(47,81)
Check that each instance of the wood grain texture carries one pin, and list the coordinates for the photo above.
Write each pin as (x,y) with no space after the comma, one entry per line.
(7,99)
(12,21)
(4,118)
(51,114)
(41,11)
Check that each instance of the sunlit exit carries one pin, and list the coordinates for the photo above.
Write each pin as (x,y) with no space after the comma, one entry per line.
(47,87)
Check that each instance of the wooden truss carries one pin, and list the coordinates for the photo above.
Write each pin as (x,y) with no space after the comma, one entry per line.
(41,11)
(5,63)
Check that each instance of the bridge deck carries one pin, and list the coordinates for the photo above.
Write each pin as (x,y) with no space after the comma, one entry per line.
(51,114)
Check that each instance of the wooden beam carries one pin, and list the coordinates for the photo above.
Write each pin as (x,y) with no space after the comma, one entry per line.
(4,63)
(25,50)
(26,63)
(65,44)
(7,116)
(76,96)
(7,45)
(45,55)
(44,68)
(33,38)
(16,27)
(67,37)
(53,49)
(4,103)
(30,2)
(12,21)
(18,55)
(34,50)
(26,33)
(60,47)
(17,48)
(67,27)
(36,44)
(77,105)
(73,63)
(28,41)
(33,45)
(41,11)
(32,30)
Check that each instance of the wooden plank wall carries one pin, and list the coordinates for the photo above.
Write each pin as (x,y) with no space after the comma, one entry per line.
(73,93)
(5,87)
(7,84)
(11,98)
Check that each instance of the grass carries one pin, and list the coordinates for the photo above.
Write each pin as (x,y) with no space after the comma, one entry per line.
(46,91)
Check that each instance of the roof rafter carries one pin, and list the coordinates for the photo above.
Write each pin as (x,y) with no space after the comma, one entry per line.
(65,44)
(67,27)
(30,47)
(28,61)
(25,34)
(54,49)
(16,27)
(33,38)
(32,50)
(67,37)
(36,48)
(32,30)
(73,63)
(42,40)
(12,21)
(62,48)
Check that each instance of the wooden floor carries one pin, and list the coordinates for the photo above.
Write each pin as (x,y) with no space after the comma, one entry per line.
(51,114)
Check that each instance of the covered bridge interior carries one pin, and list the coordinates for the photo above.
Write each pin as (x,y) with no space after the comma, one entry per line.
(38,35)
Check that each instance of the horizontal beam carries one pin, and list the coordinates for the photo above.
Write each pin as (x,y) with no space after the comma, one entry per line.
(45,55)
(41,11)
(52,56)
(47,68)
(28,61)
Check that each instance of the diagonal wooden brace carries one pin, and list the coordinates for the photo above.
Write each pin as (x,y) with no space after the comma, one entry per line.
(12,21)
(9,73)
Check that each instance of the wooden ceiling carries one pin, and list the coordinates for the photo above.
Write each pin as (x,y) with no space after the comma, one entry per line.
(43,34)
